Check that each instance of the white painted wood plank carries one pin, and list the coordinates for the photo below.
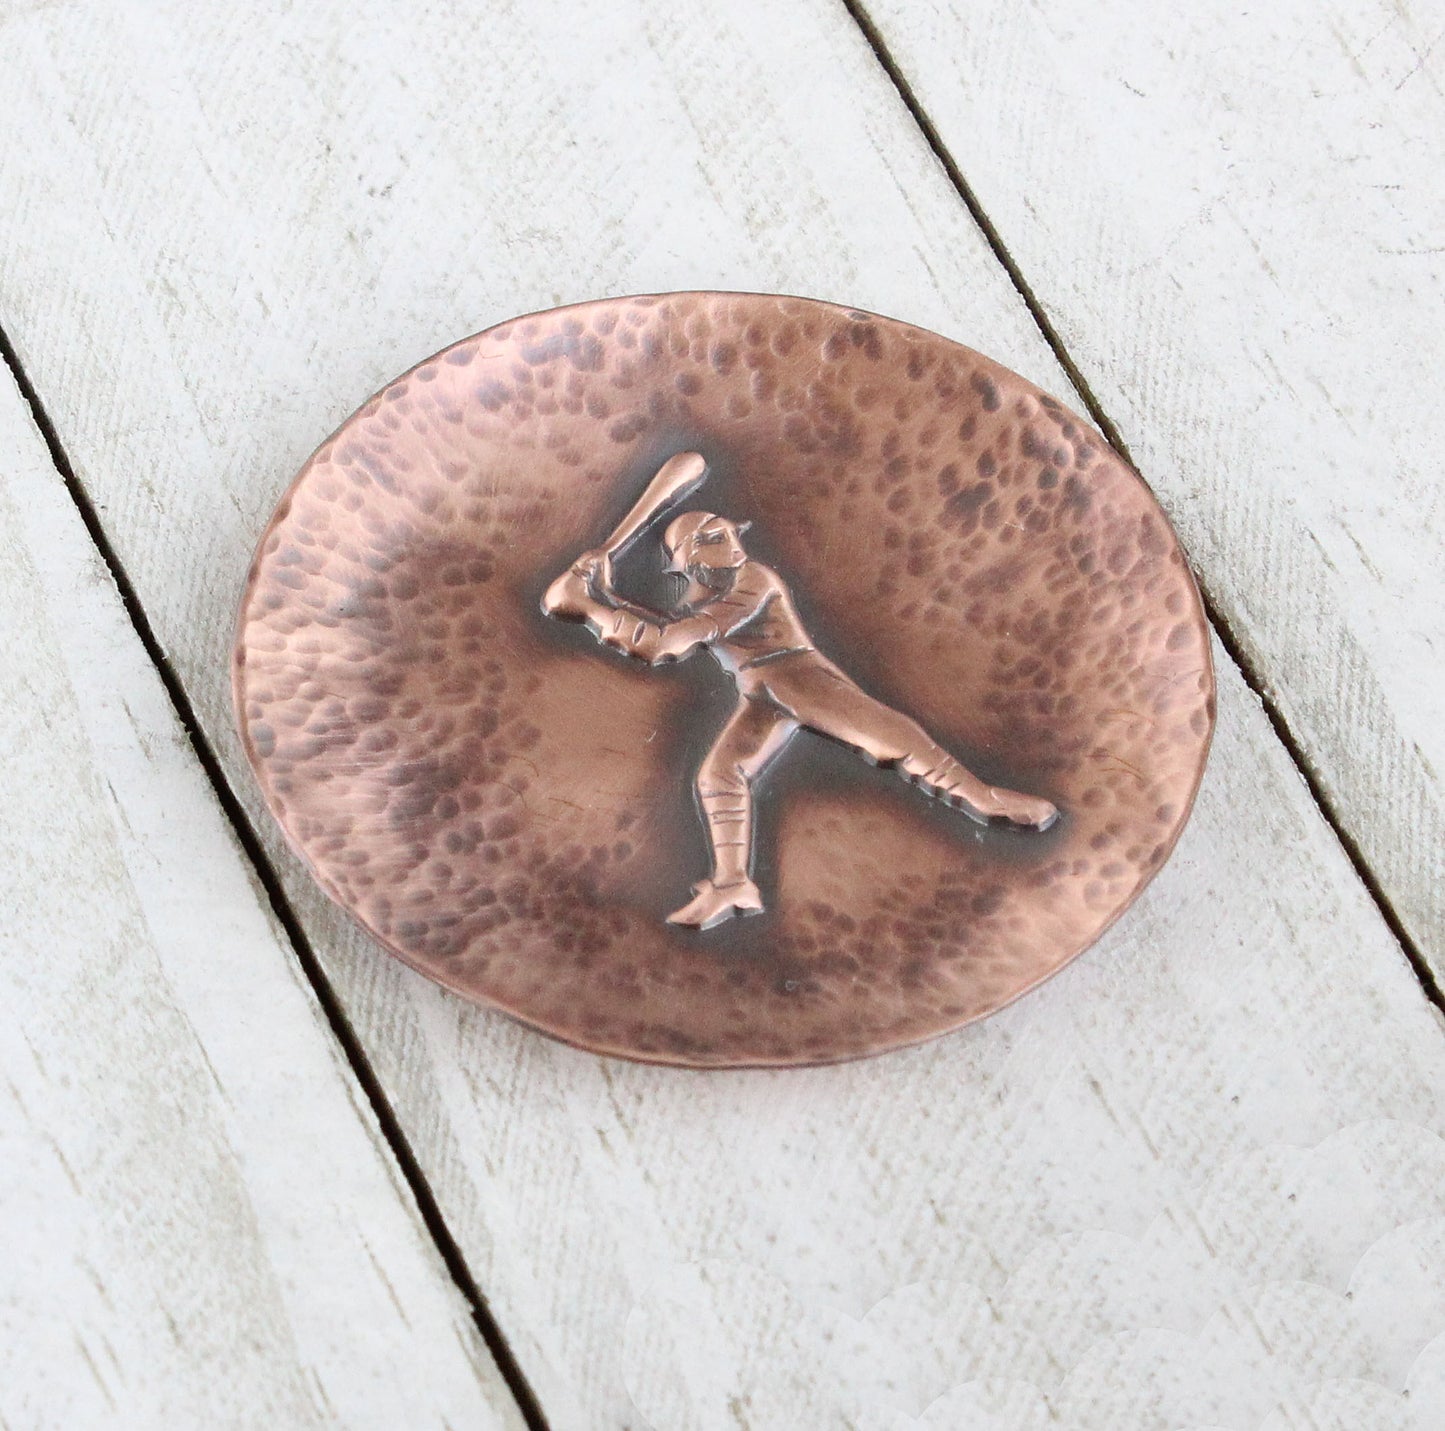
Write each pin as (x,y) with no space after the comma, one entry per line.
(1194,1181)
(1233,217)
(199,1223)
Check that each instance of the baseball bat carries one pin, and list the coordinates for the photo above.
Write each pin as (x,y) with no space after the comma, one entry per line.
(678,476)
(671,482)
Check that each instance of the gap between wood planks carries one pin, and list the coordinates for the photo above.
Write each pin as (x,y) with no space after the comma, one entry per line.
(1232,644)
(446,1245)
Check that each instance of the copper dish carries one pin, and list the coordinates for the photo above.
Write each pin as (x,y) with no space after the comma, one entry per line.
(516,805)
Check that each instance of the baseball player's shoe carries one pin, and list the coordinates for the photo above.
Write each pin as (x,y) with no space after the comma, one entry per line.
(954,785)
(712,903)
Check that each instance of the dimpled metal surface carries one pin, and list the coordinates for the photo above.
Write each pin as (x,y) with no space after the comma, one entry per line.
(508,808)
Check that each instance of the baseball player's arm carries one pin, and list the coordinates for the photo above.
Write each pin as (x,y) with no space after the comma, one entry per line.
(626,626)
(585,593)
(654,639)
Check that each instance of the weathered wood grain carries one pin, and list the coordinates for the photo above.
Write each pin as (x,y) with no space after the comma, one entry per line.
(1196,1180)
(1233,219)
(199,1226)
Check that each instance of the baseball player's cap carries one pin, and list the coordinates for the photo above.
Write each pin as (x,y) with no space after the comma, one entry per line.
(682,531)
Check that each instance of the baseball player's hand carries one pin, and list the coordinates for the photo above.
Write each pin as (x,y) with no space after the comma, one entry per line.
(595,568)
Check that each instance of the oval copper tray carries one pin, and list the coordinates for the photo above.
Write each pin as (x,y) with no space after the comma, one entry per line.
(508,805)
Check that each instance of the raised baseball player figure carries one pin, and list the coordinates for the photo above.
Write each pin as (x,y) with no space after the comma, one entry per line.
(742,612)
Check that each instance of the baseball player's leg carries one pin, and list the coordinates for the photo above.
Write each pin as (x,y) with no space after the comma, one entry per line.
(825,700)
(754,734)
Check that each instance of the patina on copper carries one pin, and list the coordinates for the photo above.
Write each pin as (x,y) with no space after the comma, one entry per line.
(511,809)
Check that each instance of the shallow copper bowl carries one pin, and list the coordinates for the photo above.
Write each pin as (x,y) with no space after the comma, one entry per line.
(507,807)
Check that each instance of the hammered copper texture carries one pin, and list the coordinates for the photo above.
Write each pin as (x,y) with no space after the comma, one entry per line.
(508,808)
